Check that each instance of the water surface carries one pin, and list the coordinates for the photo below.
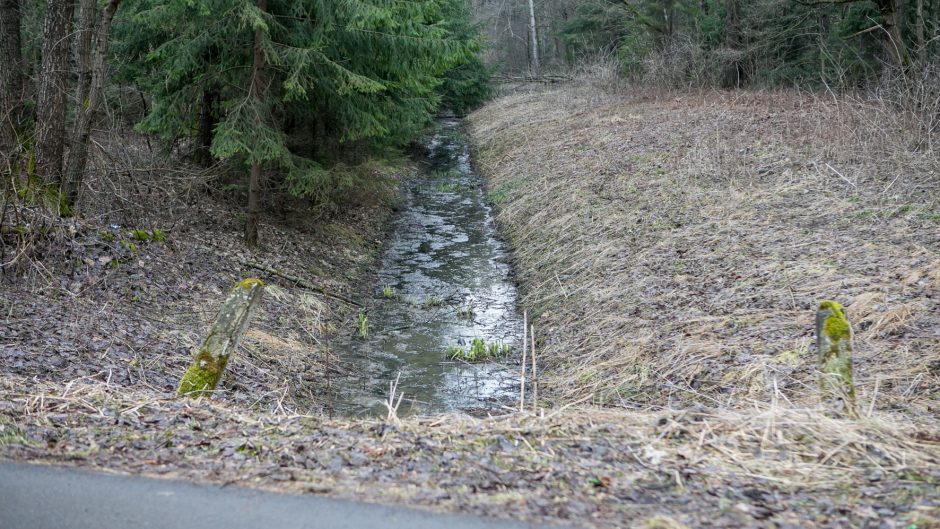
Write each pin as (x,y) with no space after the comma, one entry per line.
(444,255)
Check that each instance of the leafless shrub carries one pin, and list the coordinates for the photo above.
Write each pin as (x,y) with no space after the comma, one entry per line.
(603,72)
(683,63)
(908,105)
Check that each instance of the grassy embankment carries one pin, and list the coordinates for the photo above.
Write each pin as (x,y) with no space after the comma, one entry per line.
(675,249)
(672,251)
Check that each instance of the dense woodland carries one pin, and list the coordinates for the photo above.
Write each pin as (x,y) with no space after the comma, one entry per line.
(292,96)
(731,43)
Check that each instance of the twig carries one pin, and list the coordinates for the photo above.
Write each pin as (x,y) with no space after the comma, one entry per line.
(535,378)
(390,404)
(874,397)
(570,404)
(525,320)
(842,176)
(297,281)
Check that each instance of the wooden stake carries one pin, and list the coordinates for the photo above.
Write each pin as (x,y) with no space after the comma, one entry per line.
(535,376)
(834,342)
(525,328)
(209,362)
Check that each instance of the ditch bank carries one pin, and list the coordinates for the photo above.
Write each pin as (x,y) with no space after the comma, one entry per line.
(674,250)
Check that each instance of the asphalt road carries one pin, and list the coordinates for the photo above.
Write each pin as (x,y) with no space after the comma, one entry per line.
(43,497)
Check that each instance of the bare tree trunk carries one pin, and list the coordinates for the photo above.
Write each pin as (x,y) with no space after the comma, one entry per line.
(254,178)
(86,27)
(254,205)
(78,156)
(919,29)
(53,87)
(206,126)
(11,80)
(732,76)
(533,37)
(894,43)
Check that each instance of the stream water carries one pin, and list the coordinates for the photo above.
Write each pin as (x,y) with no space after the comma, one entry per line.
(443,256)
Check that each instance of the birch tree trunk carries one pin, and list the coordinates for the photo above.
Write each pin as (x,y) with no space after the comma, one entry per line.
(254,177)
(533,37)
(53,87)
(78,155)
(210,360)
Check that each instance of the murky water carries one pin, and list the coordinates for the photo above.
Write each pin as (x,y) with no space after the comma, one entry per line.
(443,257)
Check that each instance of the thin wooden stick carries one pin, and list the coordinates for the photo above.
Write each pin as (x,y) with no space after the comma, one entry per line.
(871,406)
(297,281)
(535,377)
(525,328)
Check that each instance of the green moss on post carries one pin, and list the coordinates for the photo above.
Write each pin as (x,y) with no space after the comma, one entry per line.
(209,363)
(834,341)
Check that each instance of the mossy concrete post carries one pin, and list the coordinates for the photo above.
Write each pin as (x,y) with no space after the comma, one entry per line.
(209,363)
(834,342)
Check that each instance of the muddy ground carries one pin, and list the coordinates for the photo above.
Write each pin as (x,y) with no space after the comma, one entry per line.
(91,351)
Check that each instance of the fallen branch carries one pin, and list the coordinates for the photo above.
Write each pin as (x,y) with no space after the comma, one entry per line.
(547,79)
(297,281)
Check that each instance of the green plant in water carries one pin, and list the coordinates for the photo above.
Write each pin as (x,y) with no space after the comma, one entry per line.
(465,312)
(454,352)
(478,351)
(362,324)
(388,292)
(432,302)
(493,350)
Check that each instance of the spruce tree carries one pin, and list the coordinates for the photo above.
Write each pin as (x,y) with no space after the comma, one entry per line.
(356,70)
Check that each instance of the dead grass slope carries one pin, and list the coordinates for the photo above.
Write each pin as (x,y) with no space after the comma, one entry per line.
(675,249)
(772,467)
(91,299)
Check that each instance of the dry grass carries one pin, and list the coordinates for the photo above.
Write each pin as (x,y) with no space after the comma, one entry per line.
(675,248)
(698,467)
